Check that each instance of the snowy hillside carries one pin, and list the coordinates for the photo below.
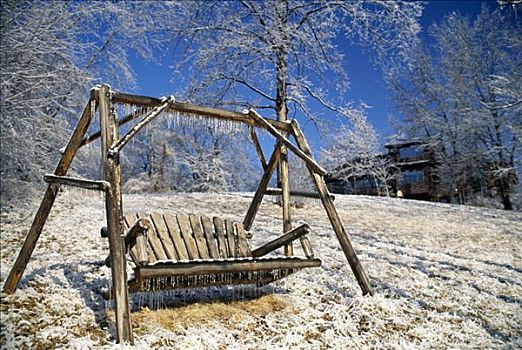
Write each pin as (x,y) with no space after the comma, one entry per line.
(445,276)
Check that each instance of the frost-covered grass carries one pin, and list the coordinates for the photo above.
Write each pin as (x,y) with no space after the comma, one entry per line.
(445,277)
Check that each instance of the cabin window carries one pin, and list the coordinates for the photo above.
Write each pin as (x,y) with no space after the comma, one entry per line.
(413,176)
(410,152)
(365,183)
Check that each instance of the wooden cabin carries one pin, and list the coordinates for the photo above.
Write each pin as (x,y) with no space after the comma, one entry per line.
(412,174)
(415,170)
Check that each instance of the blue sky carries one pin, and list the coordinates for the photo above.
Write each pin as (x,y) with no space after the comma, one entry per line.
(366,81)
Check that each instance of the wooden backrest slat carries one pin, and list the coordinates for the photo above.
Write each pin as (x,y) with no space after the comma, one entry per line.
(186,233)
(154,242)
(163,234)
(208,229)
(221,238)
(175,235)
(231,239)
(244,250)
(191,237)
(201,242)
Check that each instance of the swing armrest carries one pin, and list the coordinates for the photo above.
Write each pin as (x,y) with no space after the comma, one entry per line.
(281,241)
(136,236)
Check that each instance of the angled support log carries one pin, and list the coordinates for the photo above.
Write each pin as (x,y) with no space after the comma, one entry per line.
(48,200)
(259,150)
(258,196)
(96,135)
(298,152)
(113,208)
(337,225)
(75,182)
(116,149)
(284,240)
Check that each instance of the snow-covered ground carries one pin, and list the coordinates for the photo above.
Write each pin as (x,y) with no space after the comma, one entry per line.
(445,277)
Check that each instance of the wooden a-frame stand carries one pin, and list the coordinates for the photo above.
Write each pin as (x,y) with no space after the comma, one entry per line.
(111,145)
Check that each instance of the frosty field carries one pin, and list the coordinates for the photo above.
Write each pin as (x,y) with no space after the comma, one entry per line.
(445,277)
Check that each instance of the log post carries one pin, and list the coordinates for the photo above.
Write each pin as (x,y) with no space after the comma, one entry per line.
(47,202)
(285,197)
(263,184)
(337,225)
(114,213)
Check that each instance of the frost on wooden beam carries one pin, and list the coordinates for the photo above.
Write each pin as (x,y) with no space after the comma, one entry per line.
(76,182)
(186,108)
(333,216)
(166,103)
(266,124)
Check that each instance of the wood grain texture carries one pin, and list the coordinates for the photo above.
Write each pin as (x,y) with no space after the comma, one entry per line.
(164,237)
(162,270)
(175,235)
(208,229)
(154,242)
(114,214)
(201,242)
(186,233)
(221,238)
(231,238)
(244,249)
(261,188)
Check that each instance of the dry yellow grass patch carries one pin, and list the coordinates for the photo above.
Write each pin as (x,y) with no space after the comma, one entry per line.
(230,312)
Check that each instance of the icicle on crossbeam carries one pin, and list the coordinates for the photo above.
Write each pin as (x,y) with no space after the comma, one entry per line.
(114,150)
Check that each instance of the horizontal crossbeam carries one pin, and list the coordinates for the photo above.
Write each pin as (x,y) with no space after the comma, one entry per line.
(76,182)
(278,192)
(187,108)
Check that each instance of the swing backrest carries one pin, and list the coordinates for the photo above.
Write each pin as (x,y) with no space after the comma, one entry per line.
(189,237)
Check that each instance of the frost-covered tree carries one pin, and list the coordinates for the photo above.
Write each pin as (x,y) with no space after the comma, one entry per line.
(285,55)
(463,94)
(50,52)
(190,155)
(353,153)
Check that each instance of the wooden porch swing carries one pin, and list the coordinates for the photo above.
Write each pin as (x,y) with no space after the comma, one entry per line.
(180,251)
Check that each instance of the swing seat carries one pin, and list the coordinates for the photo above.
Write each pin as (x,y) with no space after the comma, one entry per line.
(189,251)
